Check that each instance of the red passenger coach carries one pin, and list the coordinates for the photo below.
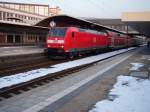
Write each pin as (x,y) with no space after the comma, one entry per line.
(71,41)
(117,40)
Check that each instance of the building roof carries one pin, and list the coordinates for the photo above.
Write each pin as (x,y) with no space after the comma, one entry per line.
(106,21)
(8,25)
(46,5)
(65,20)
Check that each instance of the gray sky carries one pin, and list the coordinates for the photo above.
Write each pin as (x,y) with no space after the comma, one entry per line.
(94,8)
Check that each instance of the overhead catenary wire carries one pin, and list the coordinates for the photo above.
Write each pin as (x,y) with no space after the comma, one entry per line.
(76,10)
(64,4)
(98,6)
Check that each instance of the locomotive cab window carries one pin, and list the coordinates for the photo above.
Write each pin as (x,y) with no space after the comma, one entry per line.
(57,32)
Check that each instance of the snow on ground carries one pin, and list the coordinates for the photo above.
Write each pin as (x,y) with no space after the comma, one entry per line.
(146,57)
(136,66)
(30,75)
(129,94)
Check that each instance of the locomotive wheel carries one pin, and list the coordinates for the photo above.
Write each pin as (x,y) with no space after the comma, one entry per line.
(79,55)
(71,55)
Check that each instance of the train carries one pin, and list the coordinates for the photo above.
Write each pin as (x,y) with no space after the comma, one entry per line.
(62,42)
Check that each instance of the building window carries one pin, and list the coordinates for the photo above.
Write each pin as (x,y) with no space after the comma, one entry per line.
(32,9)
(11,14)
(1,4)
(0,15)
(4,15)
(26,8)
(46,11)
(16,7)
(12,6)
(7,5)
(7,14)
(37,9)
(41,10)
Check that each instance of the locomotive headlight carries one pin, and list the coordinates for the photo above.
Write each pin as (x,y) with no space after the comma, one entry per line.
(60,41)
(55,41)
(49,41)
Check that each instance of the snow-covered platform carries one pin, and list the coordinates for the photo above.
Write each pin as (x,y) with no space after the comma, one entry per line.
(20,50)
(81,90)
(129,94)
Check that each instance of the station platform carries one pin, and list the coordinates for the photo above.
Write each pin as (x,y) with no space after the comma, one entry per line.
(19,50)
(78,91)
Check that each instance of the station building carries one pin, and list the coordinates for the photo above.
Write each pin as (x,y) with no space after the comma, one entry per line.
(113,23)
(25,13)
(54,11)
(21,35)
(17,23)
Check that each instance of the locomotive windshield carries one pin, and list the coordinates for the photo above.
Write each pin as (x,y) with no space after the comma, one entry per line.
(57,32)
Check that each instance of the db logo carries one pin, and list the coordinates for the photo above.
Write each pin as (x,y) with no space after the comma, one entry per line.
(94,40)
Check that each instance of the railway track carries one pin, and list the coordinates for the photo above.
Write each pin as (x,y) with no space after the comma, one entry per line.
(14,65)
(23,67)
(43,62)
(7,92)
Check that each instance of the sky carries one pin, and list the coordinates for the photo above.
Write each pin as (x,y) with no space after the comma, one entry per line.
(94,8)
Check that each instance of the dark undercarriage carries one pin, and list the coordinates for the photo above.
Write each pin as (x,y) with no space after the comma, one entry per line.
(54,53)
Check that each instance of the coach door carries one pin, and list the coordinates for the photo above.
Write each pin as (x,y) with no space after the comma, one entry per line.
(73,41)
(111,41)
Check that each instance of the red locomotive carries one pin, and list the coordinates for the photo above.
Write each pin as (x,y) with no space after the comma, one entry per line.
(72,41)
